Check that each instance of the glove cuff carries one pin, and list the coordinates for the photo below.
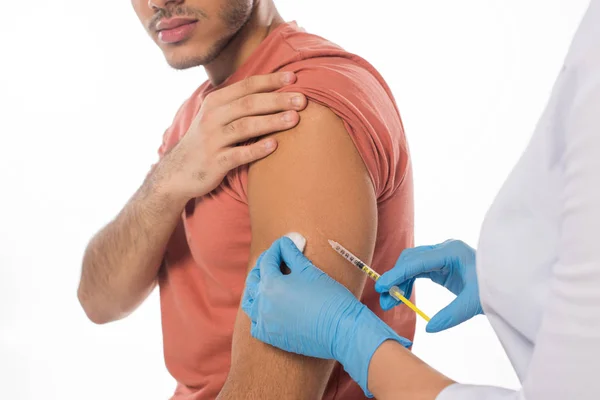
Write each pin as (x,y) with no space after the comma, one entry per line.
(360,337)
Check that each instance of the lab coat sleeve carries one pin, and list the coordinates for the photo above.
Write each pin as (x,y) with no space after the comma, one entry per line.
(566,358)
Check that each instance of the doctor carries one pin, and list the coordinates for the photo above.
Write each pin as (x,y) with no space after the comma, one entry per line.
(536,273)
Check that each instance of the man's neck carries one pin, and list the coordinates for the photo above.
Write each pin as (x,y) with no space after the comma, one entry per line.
(264,19)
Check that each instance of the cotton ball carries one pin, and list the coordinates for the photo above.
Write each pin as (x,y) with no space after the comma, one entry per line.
(298,240)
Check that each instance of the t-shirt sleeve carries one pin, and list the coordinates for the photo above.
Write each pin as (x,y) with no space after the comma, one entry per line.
(368,111)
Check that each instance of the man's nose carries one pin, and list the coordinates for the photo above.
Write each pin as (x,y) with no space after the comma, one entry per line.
(157,4)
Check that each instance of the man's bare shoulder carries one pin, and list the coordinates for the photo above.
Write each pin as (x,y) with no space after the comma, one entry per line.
(315,184)
(321,136)
(312,181)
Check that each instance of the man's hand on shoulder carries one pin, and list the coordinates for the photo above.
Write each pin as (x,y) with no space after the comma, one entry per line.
(121,262)
(228,117)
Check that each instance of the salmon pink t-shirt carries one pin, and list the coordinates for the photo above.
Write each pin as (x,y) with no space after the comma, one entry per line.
(207,258)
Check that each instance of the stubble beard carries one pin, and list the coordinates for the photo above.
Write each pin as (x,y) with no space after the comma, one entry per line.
(235,15)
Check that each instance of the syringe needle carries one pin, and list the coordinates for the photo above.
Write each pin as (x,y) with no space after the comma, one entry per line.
(394,291)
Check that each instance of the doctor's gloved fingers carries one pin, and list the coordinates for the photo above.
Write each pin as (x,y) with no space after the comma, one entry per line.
(401,277)
(282,250)
(412,251)
(407,287)
(261,332)
(462,309)
(270,265)
(253,311)
(254,332)
(252,282)
(387,302)
(293,257)
(411,267)
(253,278)
(247,303)
(251,289)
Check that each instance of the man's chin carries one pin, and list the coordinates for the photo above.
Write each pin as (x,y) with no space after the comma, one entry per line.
(182,63)
(190,55)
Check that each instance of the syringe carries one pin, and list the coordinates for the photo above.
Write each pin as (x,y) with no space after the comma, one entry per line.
(394,291)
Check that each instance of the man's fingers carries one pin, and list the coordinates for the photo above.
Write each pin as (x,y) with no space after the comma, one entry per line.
(260,104)
(250,85)
(241,155)
(251,127)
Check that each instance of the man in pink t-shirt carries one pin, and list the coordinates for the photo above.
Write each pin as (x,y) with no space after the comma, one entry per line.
(341,171)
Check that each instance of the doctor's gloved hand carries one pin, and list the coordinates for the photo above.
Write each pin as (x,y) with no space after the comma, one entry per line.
(450,264)
(307,312)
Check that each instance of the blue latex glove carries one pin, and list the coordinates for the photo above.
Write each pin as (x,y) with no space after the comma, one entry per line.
(309,313)
(450,264)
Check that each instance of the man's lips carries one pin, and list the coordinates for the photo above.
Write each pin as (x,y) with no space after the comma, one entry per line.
(175,30)
(172,23)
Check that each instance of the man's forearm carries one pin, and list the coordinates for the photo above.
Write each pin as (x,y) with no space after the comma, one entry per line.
(121,262)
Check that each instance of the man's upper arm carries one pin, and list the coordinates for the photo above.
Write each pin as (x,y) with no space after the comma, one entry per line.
(315,184)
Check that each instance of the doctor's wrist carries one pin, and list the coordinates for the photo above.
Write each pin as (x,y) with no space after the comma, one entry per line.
(394,370)
(360,334)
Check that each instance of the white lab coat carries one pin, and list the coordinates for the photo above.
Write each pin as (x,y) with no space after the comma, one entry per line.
(538,258)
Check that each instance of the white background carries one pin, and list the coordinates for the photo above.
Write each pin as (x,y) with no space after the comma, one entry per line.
(85,97)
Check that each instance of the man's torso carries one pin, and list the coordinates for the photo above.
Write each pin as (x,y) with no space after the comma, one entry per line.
(207,257)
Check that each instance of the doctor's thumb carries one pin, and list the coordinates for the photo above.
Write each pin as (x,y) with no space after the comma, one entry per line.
(292,247)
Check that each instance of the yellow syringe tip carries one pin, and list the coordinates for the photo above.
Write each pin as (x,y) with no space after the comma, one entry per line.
(396,293)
